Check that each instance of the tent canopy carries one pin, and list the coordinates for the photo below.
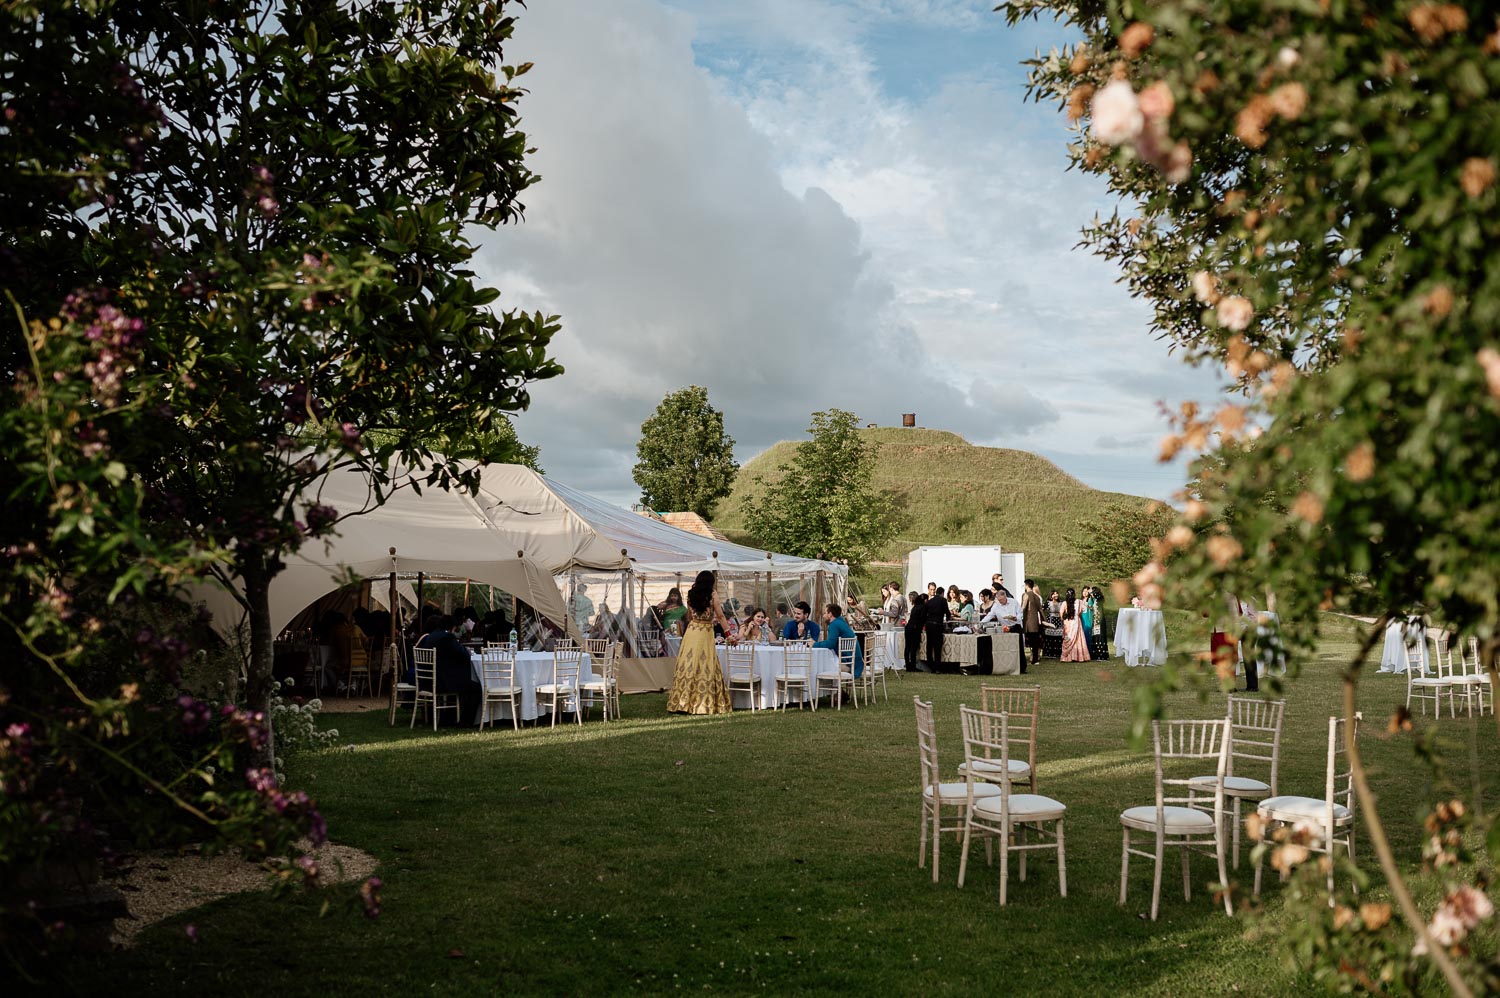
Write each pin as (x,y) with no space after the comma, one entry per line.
(517,533)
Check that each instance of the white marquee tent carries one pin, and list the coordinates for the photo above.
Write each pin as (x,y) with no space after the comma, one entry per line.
(521,532)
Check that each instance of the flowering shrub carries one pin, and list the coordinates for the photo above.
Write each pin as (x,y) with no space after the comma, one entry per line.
(296,726)
(1309,196)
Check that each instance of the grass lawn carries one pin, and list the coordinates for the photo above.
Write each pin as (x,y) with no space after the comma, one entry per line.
(761,852)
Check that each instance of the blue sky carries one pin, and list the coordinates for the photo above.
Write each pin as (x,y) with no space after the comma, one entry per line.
(801,204)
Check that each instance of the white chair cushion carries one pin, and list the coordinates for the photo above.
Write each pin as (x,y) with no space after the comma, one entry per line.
(555,688)
(991,767)
(1179,820)
(599,684)
(502,690)
(406,686)
(1233,785)
(960,791)
(1431,681)
(1290,808)
(1024,807)
(792,677)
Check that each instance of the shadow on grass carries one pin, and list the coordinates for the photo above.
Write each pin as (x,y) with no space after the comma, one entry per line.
(749,852)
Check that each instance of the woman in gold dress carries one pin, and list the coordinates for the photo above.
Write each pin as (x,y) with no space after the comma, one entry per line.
(698,686)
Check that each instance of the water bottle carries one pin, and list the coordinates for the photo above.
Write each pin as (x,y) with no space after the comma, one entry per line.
(513,637)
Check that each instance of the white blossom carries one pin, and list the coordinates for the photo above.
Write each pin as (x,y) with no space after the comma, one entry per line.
(1116,114)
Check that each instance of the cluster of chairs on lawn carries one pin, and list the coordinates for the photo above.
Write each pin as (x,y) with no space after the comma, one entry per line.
(1194,810)
(1465,678)
(800,683)
(565,692)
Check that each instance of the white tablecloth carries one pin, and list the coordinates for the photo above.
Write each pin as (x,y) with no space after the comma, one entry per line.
(1393,653)
(674,644)
(533,669)
(891,639)
(1141,637)
(770,662)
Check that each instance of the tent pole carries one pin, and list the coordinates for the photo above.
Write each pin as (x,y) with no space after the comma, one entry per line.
(421,603)
(394,607)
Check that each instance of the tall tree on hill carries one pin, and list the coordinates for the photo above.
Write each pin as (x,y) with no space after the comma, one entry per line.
(1116,543)
(686,460)
(1314,191)
(823,503)
(255,220)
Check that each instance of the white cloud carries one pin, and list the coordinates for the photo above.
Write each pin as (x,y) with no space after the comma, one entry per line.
(792,235)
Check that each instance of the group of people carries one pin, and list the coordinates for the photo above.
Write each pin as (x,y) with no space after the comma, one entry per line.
(1077,619)
(698,684)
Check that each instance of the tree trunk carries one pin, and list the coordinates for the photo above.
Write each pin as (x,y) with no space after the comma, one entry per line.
(262,656)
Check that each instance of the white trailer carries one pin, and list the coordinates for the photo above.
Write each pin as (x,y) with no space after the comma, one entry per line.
(967,566)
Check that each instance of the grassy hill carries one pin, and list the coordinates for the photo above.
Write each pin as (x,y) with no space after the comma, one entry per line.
(958,493)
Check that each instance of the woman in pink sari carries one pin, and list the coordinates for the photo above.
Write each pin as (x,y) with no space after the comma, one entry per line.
(1075,646)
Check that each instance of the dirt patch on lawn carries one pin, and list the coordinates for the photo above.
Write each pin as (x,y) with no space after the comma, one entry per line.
(158,885)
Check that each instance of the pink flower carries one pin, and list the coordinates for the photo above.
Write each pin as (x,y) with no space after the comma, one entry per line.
(1489,359)
(1116,114)
(1178,166)
(1205,287)
(1156,101)
(1235,312)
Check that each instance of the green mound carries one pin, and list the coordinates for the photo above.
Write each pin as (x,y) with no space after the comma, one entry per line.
(957,493)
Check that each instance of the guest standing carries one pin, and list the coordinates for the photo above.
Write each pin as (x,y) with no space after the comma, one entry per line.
(1031,623)
(935,620)
(1075,644)
(916,619)
(698,685)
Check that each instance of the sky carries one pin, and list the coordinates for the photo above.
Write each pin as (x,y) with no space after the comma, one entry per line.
(808,204)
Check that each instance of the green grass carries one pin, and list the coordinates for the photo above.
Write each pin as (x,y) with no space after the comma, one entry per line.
(957,493)
(758,852)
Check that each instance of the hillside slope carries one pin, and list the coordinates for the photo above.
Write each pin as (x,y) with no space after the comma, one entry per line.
(958,493)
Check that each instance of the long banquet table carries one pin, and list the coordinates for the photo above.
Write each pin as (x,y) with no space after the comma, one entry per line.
(770,662)
(988,654)
(1141,637)
(533,669)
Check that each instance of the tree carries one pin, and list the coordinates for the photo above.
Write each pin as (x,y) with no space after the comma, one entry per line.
(686,458)
(1117,543)
(1313,192)
(823,504)
(295,231)
(236,241)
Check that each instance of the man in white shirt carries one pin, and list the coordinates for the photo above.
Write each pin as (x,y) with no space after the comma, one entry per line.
(1004,611)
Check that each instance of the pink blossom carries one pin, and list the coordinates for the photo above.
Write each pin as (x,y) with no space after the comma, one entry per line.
(1235,312)
(1156,101)
(1116,114)
(1205,287)
(1287,57)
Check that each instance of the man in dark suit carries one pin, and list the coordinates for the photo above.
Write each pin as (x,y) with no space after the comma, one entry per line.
(916,618)
(935,618)
(455,670)
(1031,622)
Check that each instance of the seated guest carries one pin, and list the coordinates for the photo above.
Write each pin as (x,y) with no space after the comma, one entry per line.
(778,624)
(455,670)
(672,612)
(757,627)
(799,628)
(839,628)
